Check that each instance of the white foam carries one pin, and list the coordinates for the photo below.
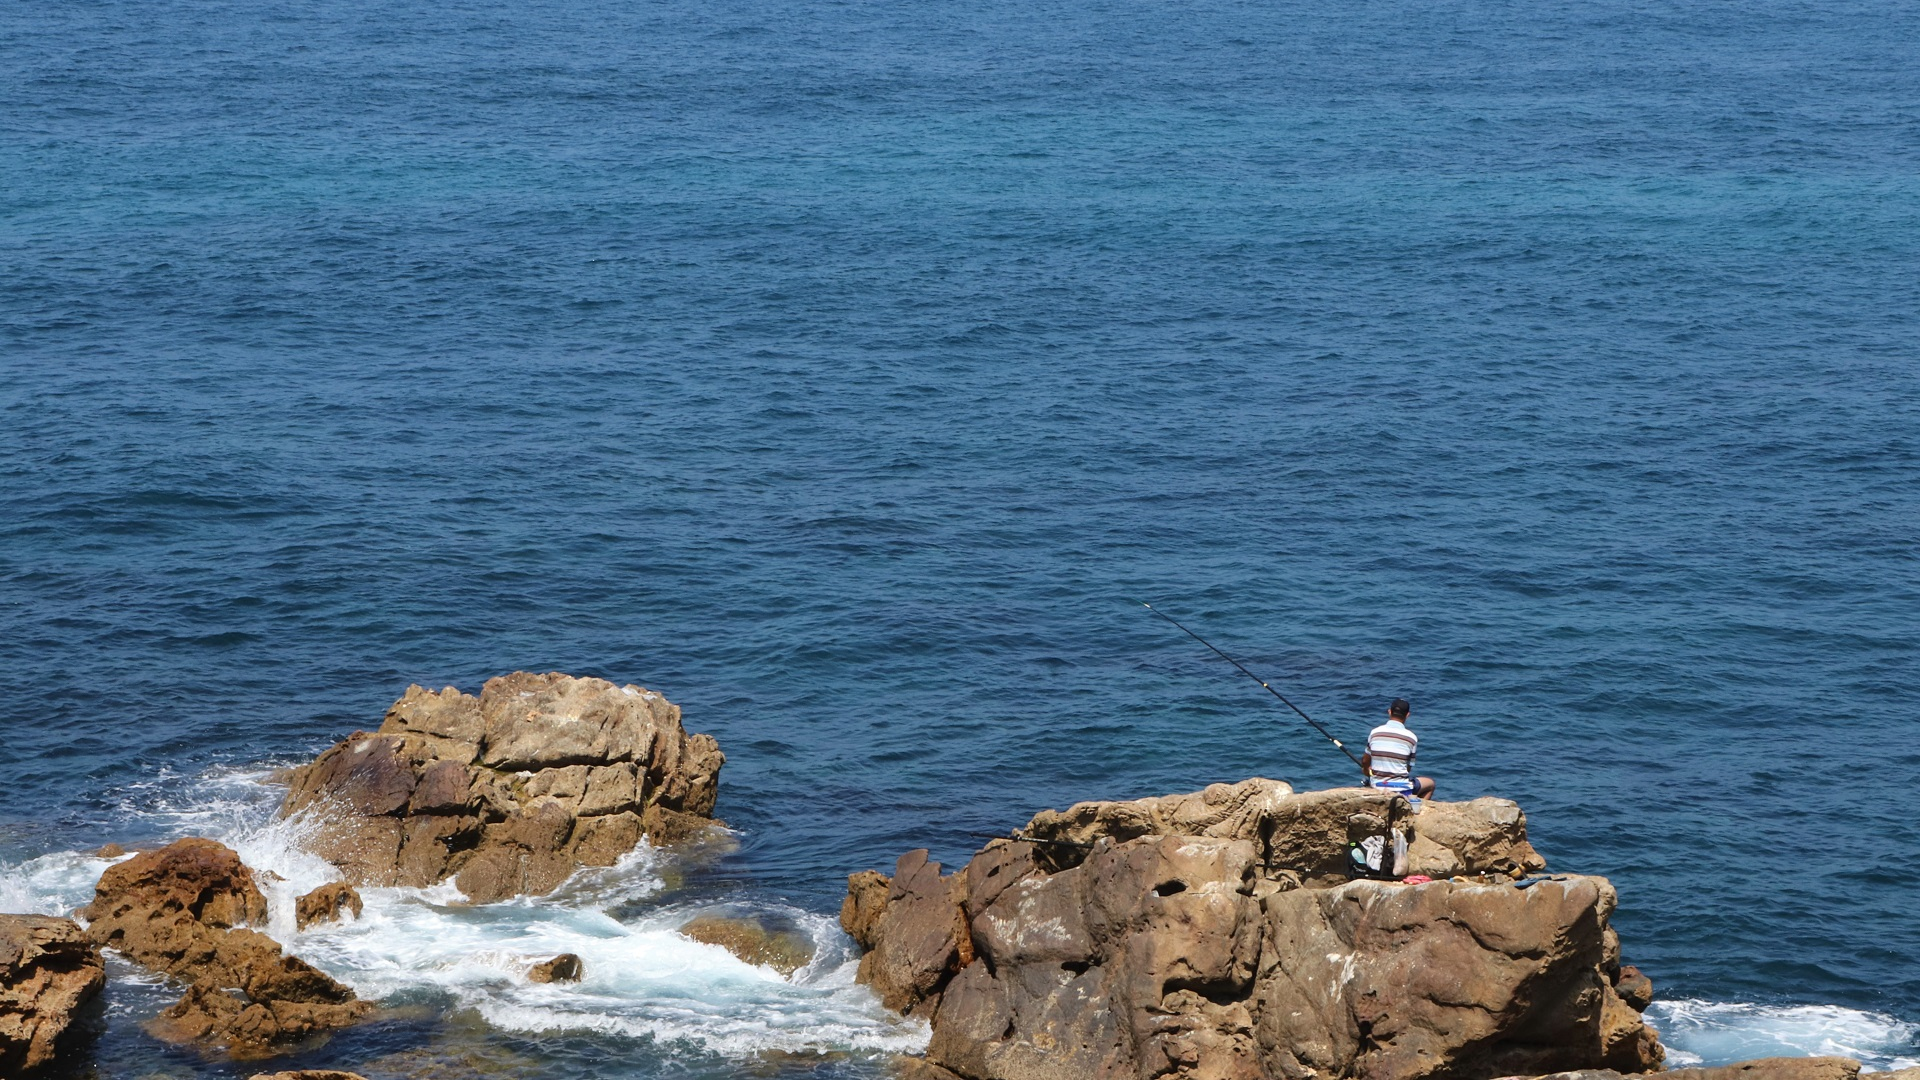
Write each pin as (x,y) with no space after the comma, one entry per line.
(51,884)
(642,980)
(1717,1033)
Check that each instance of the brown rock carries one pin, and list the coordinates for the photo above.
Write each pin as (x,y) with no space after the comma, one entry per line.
(325,904)
(509,792)
(109,851)
(48,969)
(563,968)
(1173,937)
(866,901)
(1303,831)
(917,947)
(1636,989)
(785,951)
(178,911)
(309,1074)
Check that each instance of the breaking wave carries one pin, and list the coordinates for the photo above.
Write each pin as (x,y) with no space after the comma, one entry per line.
(1716,1033)
(642,980)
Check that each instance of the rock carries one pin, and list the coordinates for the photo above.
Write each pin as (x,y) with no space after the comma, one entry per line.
(1634,988)
(48,969)
(510,792)
(563,968)
(1306,831)
(309,1074)
(866,901)
(179,911)
(1174,938)
(325,904)
(109,851)
(785,951)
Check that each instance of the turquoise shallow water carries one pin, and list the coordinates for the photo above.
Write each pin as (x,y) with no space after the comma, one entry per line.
(841,371)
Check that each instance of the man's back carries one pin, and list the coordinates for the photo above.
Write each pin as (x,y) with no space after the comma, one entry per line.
(1391,747)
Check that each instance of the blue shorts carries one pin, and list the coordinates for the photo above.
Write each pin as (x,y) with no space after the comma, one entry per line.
(1402,784)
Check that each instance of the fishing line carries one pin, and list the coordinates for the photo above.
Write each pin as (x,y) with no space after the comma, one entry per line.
(1255,678)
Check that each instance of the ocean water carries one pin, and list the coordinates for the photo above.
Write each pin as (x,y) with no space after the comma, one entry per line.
(845,371)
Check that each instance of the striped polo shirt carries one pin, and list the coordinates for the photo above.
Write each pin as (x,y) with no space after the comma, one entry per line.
(1392,745)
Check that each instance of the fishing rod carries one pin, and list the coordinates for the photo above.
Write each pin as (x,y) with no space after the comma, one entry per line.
(1255,678)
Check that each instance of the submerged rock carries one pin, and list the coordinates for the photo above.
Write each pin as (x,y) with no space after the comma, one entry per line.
(48,969)
(309,1074)
(510,792)
(1215,935)
(180,911)
(785,951)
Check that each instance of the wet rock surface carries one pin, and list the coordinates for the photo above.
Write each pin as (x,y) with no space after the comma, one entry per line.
(563,968)
(48,970)
(1215,935)
(181,911)
(509,792)
(752,940)
(328,903)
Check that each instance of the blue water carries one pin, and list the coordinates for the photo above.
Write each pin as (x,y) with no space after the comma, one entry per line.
(841,370)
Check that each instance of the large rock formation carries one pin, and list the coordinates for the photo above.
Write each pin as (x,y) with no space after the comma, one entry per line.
(180,911)
(1216,936)
(48,969)
(509,792)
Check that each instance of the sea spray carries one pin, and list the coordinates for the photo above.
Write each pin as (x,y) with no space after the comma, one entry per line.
(1717,1033)
(430,947)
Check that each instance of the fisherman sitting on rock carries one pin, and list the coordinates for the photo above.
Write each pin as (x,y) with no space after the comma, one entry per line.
(1388,761)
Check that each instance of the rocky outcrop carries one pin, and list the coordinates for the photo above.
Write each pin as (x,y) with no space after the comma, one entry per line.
(1216,936)
(180,911)
(328,903)
(509,792)
(48,969)
(752,940)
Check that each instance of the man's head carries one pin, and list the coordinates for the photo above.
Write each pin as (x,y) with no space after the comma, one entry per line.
(1399,709)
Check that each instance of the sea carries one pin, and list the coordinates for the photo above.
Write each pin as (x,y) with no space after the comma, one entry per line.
(852,372)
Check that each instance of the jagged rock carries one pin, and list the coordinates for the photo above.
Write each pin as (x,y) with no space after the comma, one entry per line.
(325,904)
(48,969)
(179,911)
(1634,988)
(785,951)
(563,968)
(109,851)
(510,792)
(1174,937)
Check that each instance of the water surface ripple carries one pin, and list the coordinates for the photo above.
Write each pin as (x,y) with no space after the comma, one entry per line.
(841,369)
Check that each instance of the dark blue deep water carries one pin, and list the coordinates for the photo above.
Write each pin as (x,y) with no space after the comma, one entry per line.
(841,369)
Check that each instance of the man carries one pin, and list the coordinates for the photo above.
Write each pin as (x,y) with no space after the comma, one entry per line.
(1388,761)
